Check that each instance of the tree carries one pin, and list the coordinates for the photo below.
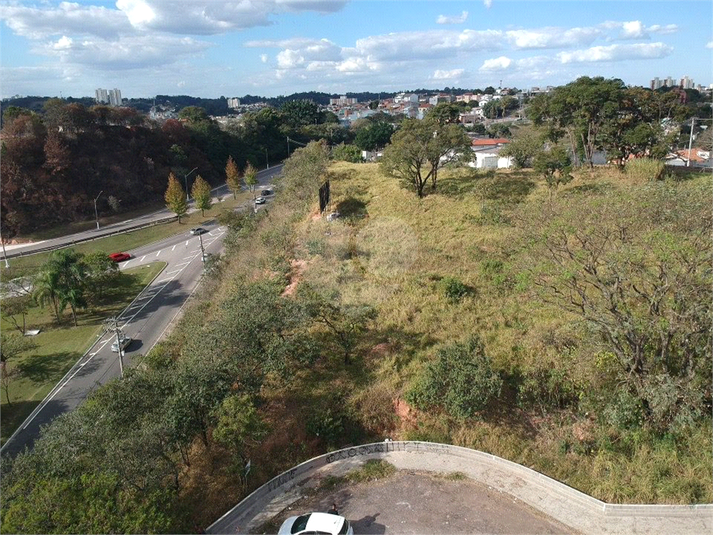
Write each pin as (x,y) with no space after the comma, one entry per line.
(580,110)
(66,266)
(347,153)
(100,272)
(347,322)
(299,113)
(250,178)
(11,345)
(419,148)
(232,177)
(444,113)
(523,148)
(175,197)
(46,290)
(634,268)
(374,135)
(554,165)
(201,194)
(16,306)
(238,427)
(461,380)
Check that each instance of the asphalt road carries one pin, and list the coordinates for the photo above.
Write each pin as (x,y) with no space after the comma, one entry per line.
(140,221)
(145,320)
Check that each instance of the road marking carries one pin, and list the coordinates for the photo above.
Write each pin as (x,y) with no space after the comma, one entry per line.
(186,243)
(126,263)
(172,248)
(159,252)
(142,258)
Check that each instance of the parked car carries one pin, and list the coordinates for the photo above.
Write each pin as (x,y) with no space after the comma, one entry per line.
(198,230)
(326,523)
(266,191)
(123,341)
(119,257)
(260,200)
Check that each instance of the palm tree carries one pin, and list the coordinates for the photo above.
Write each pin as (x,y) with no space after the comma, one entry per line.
(46,290)
(61,282)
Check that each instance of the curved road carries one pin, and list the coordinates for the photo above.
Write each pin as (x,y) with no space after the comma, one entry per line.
(145,320)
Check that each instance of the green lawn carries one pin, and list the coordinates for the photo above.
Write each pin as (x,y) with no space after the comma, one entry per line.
(59,346)
(131,240)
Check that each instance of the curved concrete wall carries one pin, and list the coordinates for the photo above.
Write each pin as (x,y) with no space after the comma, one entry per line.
(565,504)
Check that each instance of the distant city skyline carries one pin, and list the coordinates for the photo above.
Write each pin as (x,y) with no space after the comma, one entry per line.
(213,48)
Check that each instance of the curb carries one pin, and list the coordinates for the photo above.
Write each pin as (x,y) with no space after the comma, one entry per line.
(559,501)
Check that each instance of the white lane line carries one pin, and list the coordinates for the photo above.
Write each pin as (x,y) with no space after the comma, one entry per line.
(172,272)
(172,248)
(126,263)
(142,258)
(159,252)
(186,243)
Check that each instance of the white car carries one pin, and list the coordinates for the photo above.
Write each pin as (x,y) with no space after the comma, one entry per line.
(260,200)
(323,523)
(124,341)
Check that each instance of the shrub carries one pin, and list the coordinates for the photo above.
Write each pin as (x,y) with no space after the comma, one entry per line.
(461,380)
(453,289)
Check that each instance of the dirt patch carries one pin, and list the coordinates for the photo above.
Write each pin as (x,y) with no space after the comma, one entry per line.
(298,268)
(416,502)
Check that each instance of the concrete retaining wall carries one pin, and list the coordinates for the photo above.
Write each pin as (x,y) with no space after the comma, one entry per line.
(565,504)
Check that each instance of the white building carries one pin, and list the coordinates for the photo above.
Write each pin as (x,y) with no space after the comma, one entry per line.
(233,103)
(101,96)
(114,97)
(342,101)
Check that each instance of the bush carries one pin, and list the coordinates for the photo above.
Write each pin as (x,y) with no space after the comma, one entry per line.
(453,289)
(461,380)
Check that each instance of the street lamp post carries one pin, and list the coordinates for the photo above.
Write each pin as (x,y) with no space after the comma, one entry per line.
(4,252)
(96,214)
(188,198)
(267,161)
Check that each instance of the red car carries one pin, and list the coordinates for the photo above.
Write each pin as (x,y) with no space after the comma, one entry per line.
(119,257)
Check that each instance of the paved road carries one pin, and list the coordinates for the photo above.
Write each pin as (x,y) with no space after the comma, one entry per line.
(145,320)
(160,215)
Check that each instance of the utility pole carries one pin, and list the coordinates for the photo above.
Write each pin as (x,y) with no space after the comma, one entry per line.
(200,239)
(112,325)
(267,161)
(185,178)
(4,252)
(690,142)
(96,214)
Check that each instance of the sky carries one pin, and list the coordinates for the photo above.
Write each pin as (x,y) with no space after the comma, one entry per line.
(213,48)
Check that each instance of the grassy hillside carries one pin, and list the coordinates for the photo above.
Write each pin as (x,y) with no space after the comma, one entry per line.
(454,264)
(565,330)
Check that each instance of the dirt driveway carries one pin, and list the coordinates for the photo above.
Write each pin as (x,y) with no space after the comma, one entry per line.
(412,502)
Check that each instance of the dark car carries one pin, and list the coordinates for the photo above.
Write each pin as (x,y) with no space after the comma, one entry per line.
(119,257)
(198,230)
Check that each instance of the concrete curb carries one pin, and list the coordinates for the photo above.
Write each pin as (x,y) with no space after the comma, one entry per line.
(569,506)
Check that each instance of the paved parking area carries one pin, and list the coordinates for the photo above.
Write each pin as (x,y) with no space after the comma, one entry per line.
(414,502)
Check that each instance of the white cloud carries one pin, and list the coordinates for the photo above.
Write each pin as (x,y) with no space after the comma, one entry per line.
(65,19)
(552,37)
(125,53)
(616,53)
(709,44)
(460,19)
(487,3)
(207,17)
(497,64)
(263,58)
(635,29)
(447,75)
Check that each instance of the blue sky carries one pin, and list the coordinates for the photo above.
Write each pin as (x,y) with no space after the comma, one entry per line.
(210,48)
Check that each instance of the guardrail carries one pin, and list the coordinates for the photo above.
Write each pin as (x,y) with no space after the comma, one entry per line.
(555,499)
(123,230)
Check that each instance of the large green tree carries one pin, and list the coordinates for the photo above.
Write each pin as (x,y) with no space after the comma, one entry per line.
(419,148)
